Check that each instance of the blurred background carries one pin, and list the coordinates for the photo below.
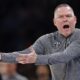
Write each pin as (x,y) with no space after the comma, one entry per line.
(23,21)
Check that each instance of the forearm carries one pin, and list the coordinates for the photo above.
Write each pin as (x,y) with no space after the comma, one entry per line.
(71,52)
(9,57)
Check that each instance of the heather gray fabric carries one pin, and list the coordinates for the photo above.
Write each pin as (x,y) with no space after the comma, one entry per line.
(62,69)
(54,42)
(71,52)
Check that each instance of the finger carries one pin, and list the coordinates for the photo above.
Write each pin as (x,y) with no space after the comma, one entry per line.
(21,58)
(22,62)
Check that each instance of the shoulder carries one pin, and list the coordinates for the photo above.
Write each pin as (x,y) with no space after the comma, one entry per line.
(20,77)
(47,36)
(77,30)
(77,33)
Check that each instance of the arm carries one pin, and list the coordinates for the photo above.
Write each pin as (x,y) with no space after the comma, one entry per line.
(71,52)
(11,57)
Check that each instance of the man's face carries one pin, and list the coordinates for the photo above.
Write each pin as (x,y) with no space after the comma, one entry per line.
(7,69)
(65,20)
(42,72)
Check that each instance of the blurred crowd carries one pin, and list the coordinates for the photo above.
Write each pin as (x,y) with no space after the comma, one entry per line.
(9,71)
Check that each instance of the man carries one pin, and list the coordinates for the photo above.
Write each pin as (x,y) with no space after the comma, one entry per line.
(43,72)
(53,43)
(8,72)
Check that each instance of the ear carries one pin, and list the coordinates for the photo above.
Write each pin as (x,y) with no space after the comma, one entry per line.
(75,19)
(54,21)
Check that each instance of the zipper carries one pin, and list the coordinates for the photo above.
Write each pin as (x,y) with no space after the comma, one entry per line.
(65,63)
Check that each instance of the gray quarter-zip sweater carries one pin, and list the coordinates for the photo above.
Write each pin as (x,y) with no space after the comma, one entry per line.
(51,44)
(55,42)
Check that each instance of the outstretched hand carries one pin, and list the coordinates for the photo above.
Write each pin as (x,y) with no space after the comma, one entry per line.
(27,58)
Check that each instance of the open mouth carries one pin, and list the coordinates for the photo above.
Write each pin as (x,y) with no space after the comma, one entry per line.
(66,26)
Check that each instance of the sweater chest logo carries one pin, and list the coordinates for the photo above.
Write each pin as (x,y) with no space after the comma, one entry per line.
(56,45)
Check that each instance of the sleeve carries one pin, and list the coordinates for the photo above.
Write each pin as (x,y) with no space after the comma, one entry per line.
(39,46)
(71,52)
(9,57)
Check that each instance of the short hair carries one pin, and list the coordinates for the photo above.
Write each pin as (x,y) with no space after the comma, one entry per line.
(63,5)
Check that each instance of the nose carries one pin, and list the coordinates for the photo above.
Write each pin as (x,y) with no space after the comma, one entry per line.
(65,19)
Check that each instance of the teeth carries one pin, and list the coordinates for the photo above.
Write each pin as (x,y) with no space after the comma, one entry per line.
(66,26)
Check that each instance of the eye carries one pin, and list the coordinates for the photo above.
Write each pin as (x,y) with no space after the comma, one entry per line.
(60,16)
(69,15)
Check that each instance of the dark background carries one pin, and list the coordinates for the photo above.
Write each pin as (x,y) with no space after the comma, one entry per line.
(23,21)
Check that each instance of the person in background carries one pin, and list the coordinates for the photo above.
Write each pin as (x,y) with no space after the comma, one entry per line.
(43,72)
(8,72)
